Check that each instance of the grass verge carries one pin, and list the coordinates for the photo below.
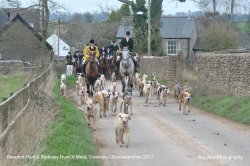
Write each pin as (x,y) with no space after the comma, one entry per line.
(161,81)
(11,84)
(243,26)
(232,107)
(69,136)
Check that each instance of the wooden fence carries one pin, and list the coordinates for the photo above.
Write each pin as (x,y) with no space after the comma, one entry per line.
(12,109)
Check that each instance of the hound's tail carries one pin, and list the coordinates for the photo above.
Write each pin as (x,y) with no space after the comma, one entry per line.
(154,76)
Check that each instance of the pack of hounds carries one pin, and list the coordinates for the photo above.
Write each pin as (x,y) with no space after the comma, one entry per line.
(107,97)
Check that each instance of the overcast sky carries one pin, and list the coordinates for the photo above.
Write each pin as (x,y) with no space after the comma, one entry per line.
(81,6)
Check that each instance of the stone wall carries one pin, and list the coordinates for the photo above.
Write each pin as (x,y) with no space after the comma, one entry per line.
(227,73)
(161,67)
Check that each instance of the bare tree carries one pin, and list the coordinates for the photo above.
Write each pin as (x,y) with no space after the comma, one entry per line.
(209,6)
(10,3)
(231,13)
(88,17)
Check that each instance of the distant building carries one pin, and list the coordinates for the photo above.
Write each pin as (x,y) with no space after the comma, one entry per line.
(31,16)
(64,45)
(181,14)
(20,41)
(178,33)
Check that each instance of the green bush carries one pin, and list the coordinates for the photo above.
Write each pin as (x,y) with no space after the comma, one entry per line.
(218,39)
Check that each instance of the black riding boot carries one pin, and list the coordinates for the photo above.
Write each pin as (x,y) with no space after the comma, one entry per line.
(136,66)
(83,68)
(118,65)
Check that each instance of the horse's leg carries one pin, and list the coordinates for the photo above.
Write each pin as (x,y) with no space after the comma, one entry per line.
(104,71)
(123,83)
(92,84)
(101,70)
(91,89)
(80,68)
(131,81)
(88,90)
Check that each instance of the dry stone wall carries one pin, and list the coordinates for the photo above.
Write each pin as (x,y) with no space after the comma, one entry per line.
(161,67)
(227,73)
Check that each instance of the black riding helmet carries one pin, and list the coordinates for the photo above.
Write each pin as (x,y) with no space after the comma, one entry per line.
(92,41)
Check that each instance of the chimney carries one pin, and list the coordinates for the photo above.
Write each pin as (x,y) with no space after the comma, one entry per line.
(8,15)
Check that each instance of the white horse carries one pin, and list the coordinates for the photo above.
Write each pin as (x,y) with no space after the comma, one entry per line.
(126,69)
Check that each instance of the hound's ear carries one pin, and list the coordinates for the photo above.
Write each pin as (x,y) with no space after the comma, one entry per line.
(129,117)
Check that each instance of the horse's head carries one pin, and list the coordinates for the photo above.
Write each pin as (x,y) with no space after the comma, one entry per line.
(91,56)
(126,59)
(125,54)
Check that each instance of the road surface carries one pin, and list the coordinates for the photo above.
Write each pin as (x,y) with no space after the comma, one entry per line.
(163,136)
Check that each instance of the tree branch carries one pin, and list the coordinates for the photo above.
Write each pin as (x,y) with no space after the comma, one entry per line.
(131,3)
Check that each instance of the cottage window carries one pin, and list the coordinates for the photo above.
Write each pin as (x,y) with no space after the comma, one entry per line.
(173,47)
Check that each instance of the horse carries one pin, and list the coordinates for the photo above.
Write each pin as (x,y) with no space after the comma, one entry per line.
(91,72)
(126,69)
(77,65)
(113,65)
(103,66)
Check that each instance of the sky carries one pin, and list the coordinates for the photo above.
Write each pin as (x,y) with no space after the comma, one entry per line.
(82,6)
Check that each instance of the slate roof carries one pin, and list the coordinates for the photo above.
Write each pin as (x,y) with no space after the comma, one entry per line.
(171,27)
(177,27)
(32,16)
(66,40)
(4,18)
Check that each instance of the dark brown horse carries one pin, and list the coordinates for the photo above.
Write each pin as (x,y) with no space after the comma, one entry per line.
(113,65)
(103,66)
(91,71)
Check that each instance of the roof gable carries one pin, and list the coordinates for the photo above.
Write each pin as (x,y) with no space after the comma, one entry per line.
(4,18)
(54,37)
(60,47)
(66,40)
(18,17)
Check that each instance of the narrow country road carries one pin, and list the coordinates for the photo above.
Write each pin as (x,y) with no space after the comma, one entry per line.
(163,136)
